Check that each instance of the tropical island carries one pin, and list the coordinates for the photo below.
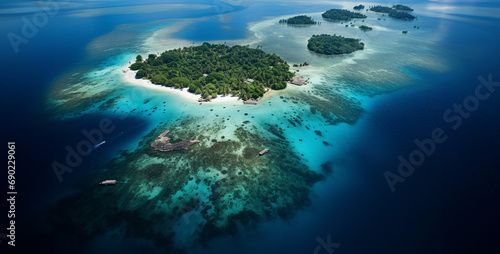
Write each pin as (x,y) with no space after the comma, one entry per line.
(333,44)
(401,7)
(216,69)
(396,11)
(358,7)
(298,20)
(380,8)
(365,28)
(401,15)
(339,14)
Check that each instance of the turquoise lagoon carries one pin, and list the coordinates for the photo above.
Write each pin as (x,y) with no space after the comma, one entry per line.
(330,141)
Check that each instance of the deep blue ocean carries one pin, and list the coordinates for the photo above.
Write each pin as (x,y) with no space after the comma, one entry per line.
(449,204)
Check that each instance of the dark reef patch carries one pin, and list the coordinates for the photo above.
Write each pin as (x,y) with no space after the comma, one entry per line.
(327,167)
(318,133)
(333,106)
(225,183)
(110,103)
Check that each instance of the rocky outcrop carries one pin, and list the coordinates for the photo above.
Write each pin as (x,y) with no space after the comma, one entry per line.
(162,143)
(298,80)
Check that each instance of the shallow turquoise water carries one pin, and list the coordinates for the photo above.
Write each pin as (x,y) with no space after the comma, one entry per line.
(397,69)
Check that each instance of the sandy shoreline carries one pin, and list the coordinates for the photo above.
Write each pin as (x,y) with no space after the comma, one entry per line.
(163,36)
(187,96)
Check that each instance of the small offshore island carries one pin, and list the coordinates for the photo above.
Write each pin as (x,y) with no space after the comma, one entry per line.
(298,20)
(396,11)
(365,28)
(216,69)
(333,44)
(358,7)
(342,15)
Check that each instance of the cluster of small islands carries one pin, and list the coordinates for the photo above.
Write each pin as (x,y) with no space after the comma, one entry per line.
(217,69)
(219,183)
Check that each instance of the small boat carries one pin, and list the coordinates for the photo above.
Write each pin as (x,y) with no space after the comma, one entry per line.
(108,182)
(263,151)
(98,145)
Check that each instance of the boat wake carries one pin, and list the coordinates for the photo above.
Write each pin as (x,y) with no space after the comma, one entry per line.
(98,145)
(109,139)
(116,136)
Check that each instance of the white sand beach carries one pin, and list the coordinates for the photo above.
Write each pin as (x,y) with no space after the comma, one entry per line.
(129,77)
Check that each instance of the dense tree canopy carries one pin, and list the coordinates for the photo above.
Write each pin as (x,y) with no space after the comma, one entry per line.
(212,69)
(298,20)
(401,15)
(339,14)
(358,7)
(397,11)
(380,8)
(401,7)
(365,28)
(333,44)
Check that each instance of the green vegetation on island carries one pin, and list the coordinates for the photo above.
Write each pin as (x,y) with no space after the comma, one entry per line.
(397,11)
(365,28)
(401,15)
(401,7)
(358,7)
(339,14)
(298,20)
(333,44)
(380,8)
(212,69)
(301,65)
